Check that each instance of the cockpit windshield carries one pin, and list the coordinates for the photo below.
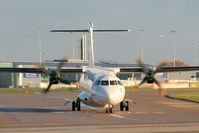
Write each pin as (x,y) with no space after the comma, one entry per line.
(107,82)
(113,82)
(104,82)
(119,82)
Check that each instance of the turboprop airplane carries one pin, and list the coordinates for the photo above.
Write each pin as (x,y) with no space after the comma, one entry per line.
(99,86)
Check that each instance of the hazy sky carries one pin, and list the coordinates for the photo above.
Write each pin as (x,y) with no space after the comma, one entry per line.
(19,34)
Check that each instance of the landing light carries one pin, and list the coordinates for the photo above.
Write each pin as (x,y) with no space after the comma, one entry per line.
(106,105)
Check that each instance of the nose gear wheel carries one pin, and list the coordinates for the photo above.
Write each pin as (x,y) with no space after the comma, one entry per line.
(109,109)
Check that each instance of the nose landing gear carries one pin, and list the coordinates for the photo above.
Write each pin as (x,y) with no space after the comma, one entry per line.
(109,109)
(124,105)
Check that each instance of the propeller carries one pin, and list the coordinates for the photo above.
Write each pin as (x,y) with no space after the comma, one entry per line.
(54,75)
(149,74)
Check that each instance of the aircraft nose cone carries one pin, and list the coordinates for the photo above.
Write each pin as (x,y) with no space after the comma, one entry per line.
(113,96)
(110,99)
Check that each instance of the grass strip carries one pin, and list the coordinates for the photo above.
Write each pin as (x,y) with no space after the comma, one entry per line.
(190,96)
(132,88)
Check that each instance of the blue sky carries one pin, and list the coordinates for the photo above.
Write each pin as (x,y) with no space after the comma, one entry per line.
(20,18)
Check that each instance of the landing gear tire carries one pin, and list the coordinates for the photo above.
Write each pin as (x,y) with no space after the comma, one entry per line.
(73,105)
(109,109)
(121,106)
(127,106)
(78,104)
(124,105)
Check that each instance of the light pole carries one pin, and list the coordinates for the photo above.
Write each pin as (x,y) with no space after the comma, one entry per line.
(161,47)
(39,42)
(194,52)
(73,50)
(174,46)
(141,43)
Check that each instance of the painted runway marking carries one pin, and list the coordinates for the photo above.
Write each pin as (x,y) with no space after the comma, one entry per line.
(123,117)
(59,112)
(159,112)
(141,112)
(150,112)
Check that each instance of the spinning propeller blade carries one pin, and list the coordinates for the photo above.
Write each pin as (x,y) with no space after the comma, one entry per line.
(150,73)
(47,89)
(54,75)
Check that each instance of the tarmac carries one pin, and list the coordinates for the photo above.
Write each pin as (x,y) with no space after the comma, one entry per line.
(36,112)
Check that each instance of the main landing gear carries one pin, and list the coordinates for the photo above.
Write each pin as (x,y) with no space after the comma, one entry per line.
(109,109)
(76,105)
(124,105)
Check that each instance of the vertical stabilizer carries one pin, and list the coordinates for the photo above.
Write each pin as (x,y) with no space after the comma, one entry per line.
(91,30)
(91,56)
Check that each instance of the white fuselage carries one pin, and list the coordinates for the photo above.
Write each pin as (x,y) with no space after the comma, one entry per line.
(100,87)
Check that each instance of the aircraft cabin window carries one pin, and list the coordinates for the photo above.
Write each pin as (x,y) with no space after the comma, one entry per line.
(113,82)
(104,82)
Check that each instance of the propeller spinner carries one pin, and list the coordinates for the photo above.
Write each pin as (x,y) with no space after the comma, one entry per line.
(149,74)
(54,75)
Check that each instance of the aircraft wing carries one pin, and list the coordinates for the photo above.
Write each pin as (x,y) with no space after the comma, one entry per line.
(80,70)
(21,70)
(162,69)
(72,70)
(37,70)
(178,69)
(130,70)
